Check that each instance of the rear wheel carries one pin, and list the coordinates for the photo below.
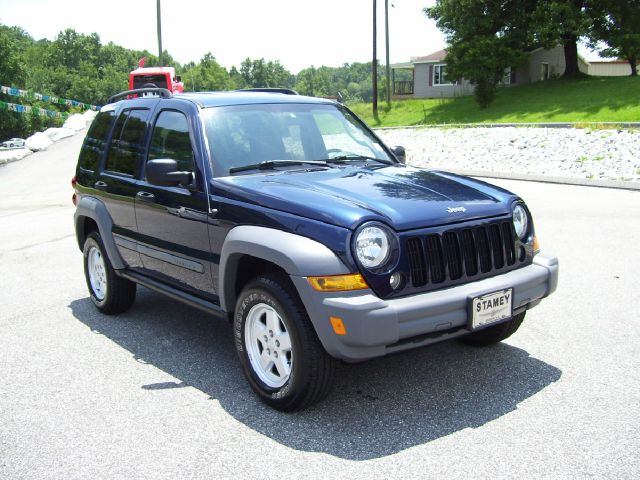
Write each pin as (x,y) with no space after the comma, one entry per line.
(278,348)
(494,334)
(109,293)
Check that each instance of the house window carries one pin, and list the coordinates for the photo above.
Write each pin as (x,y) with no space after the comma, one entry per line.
(440,75)
(544,71)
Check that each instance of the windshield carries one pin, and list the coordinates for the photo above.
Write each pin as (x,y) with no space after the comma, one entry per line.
(243,135)
(159,80)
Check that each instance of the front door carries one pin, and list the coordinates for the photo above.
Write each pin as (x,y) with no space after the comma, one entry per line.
(173,238)
(544,72)
(118,182)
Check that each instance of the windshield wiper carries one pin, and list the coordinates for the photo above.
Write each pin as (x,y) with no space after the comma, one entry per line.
(270,164)
(348,158)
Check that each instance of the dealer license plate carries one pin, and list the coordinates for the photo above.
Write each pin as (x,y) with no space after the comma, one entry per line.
(491,308)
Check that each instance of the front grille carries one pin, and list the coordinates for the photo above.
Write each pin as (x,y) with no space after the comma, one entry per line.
(468,252)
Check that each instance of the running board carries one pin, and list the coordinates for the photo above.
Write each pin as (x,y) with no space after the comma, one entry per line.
(174,293)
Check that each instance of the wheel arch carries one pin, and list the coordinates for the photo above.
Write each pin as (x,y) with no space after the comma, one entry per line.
(91,214)
(249,251)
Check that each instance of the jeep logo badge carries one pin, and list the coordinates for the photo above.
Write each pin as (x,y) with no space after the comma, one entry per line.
(456,209)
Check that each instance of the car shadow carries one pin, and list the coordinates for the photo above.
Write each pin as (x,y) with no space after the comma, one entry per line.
(377,408)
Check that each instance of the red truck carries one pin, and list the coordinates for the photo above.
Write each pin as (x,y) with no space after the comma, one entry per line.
(163,77)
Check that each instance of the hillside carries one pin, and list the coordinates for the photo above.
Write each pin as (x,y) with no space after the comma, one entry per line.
(588,99)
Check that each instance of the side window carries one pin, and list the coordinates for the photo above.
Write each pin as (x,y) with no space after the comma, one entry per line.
(170,139)
(127,145)
(94,144)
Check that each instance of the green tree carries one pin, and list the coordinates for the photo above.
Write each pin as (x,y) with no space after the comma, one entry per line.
(207,75)
(317,82)
(70,48)
(485,37)
(263,74)
(235,79)
(352,80)
(562,22)
(12,73)
(616,23)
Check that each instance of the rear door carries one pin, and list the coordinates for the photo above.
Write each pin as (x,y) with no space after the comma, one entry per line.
(173,238)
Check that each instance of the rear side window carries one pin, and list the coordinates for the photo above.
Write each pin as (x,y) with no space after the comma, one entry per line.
(95,142)
(170,139)
(127,145)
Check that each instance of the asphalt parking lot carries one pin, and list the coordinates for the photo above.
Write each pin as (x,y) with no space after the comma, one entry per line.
(158,392)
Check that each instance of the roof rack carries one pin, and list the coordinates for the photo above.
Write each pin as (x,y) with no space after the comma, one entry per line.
(286,91)
(162,92)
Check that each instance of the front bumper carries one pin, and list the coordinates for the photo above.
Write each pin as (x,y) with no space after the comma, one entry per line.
(376,327)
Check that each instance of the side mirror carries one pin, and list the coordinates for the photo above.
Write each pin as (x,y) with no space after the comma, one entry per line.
(164,172)
(400,154)
(178,78)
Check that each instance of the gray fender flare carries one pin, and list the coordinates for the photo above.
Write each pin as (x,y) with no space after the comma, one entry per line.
(295,254)
(93,208)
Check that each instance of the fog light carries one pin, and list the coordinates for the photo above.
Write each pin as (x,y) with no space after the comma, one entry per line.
(395,280)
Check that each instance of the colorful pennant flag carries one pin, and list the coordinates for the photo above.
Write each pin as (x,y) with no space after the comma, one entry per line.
(16,92)
(15,107)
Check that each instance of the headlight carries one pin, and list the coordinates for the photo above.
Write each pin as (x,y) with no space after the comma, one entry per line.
(520,221)
(373,246)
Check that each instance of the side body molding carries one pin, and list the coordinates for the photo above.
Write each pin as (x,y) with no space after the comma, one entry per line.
(93,208)
(295,254)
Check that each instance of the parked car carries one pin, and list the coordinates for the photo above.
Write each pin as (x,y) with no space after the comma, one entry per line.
(14,143)
(288,217)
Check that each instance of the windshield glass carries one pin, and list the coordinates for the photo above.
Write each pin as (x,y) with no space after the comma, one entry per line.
(159,80)
(242,135)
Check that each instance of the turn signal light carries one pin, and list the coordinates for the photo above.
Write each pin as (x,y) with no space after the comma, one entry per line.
(338,283)
(536,245)
(338,325)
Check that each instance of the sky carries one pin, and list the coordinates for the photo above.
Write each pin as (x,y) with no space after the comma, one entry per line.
(298,33)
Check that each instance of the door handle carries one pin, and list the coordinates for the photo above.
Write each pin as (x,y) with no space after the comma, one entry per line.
(100,185)
(146,196)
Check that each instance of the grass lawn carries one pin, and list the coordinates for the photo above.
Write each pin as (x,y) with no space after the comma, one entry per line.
(588,99)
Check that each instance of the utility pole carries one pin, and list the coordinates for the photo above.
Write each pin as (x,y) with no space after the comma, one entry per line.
(388,68)
(159,35)
(374,63)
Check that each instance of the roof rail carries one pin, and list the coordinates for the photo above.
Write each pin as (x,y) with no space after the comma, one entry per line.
(286,91)
(162,92)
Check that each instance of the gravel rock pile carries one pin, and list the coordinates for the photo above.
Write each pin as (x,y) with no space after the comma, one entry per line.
(556,152)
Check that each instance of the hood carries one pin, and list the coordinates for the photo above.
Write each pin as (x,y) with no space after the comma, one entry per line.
(403,197)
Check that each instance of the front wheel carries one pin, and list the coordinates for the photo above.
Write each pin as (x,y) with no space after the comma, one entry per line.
(493,334)
(278,348)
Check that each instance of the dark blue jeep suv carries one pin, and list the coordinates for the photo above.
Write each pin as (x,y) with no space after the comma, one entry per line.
(287,216)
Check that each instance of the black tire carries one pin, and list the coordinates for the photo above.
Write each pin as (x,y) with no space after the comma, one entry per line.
(494,334)
(110,293)
(312,370)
